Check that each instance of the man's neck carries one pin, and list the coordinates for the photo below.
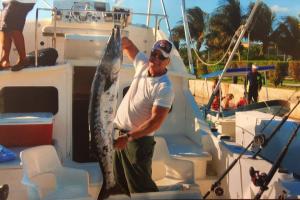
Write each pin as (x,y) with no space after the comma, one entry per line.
(152,74)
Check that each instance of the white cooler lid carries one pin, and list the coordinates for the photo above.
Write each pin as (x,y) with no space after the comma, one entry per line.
(26,118)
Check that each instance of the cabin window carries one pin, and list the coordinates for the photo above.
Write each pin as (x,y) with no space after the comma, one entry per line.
(100,6)
(26,99)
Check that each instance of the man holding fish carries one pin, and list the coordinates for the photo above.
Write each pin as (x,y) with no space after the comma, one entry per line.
(142,111)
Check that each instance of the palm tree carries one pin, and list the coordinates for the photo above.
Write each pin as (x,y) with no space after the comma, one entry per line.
(225,20)
(261,27)
(196,21)
(287,36)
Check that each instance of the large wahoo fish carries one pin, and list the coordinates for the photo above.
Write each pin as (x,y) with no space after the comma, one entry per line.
(102,109)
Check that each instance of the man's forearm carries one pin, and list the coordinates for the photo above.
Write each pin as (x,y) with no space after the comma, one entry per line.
(129,48)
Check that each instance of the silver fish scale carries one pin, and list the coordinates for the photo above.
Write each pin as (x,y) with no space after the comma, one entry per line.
(108,110)
(104,131)
(102,108)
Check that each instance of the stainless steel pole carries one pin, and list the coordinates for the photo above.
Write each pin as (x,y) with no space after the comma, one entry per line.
(54,28)
(149,12)
(187,36)
(166,18)
(36,38)
(266,85)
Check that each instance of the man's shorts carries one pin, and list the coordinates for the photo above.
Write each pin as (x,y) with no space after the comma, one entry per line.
(14,15)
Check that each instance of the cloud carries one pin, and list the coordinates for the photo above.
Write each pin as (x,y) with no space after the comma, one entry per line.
(277,8)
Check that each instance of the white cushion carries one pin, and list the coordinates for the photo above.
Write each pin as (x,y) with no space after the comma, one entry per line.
(158,170)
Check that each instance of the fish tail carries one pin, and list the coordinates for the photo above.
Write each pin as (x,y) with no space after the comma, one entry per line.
(105,193)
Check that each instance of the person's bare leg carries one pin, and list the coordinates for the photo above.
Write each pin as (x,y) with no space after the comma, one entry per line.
(18,39)
(5,51)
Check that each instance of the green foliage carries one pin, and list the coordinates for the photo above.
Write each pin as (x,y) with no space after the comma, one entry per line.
(287,36)
(255,52)
(201,69)
(225,21)
(215,68)
(261,27)
(196,21)
(281,70)
(294,70)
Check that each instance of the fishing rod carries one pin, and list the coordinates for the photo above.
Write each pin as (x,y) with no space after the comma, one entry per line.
(264,182)
(216,186)
(262,141)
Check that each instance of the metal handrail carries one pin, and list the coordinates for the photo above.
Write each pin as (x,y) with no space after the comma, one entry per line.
(54,12)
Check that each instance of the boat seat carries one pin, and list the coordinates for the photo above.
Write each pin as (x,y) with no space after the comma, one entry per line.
(47,179)
(170,173)
(181,147)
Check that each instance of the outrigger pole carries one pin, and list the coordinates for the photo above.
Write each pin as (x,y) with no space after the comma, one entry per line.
(216,185)
(244,29)
(148,12)
(276,165)
(166,18)
(187,36)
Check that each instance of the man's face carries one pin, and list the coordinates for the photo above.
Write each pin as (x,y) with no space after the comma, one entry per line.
(157,61)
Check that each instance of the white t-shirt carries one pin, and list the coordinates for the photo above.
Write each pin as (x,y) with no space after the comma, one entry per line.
(144,93)
(21,1)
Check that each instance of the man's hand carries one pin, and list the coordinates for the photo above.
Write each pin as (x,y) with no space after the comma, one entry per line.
(121,142)
(129,48)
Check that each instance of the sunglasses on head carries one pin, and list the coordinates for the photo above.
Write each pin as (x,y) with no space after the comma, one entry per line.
(157,55)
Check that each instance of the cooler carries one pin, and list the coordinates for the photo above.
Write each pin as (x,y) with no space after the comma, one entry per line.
(25,129)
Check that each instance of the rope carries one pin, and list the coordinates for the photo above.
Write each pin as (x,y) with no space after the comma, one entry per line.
(232,42)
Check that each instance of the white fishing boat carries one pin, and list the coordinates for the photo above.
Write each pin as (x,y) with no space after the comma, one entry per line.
(49,106)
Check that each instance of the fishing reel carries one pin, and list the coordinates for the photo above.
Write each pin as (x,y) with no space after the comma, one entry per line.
(259,140)
(257,178)
(218,190)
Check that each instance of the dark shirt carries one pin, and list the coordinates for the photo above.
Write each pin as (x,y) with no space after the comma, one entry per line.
(255,80)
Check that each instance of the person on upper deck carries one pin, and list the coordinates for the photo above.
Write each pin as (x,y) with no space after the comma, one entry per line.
(13,21)
(255,83)
(142,111)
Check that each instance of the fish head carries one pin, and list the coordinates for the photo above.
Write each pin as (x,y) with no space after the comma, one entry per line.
(111,62)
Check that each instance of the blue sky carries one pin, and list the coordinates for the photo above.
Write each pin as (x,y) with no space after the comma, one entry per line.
(280,7)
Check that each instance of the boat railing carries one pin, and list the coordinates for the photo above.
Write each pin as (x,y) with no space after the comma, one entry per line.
(71,16)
